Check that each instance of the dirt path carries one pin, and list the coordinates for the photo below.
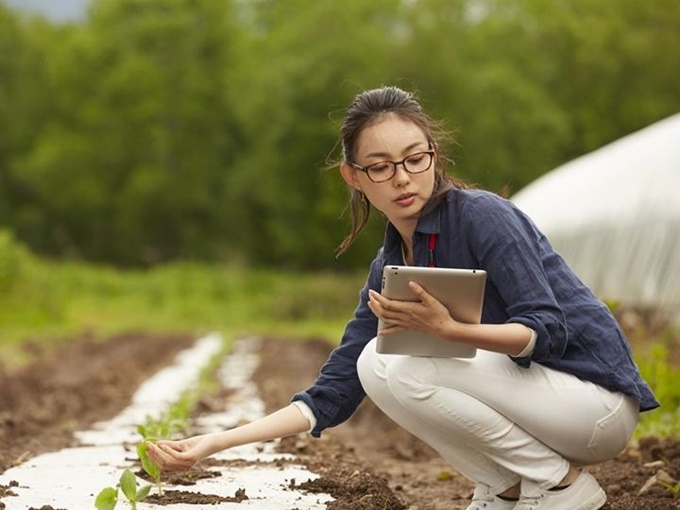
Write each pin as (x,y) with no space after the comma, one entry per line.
(85,381)
(367,463)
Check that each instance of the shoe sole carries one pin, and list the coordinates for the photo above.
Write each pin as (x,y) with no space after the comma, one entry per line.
(597,501)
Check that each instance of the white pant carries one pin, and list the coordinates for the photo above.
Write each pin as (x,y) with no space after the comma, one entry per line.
(496,422)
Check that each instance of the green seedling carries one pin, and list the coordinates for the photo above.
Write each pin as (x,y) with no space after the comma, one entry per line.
(108,497)
(673,489)
(149,466)
(128,485)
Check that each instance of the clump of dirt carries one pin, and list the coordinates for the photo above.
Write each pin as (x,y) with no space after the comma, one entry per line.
(171,497)
(6,490)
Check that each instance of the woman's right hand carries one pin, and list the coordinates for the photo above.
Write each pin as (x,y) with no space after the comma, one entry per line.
(183,454)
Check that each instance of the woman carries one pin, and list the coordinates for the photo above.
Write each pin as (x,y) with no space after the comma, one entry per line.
(553,386)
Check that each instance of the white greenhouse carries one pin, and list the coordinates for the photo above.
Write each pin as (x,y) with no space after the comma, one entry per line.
(614,214)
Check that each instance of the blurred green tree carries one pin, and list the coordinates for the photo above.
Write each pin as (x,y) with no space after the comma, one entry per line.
(158,130)
(309,59)
(132,167)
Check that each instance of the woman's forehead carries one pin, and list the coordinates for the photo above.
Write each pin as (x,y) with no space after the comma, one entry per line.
(391,135)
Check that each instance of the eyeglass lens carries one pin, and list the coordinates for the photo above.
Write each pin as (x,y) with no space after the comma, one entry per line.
(414,164)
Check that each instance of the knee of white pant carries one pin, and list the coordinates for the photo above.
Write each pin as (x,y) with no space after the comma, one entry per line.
(369,368)
(411,378)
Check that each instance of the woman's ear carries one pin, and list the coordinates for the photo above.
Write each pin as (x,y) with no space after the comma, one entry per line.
(350,175)
(435,148)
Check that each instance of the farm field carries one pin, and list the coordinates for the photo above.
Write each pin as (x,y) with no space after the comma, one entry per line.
(366,463)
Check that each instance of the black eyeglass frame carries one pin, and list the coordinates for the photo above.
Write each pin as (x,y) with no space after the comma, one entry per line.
(430,152)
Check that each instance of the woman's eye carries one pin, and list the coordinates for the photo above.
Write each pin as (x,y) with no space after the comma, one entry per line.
(415,159)
(379,167)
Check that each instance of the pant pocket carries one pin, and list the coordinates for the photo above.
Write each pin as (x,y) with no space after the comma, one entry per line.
(612,433)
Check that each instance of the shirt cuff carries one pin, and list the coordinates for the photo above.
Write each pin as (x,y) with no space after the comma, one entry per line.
(306,412)
(529,349)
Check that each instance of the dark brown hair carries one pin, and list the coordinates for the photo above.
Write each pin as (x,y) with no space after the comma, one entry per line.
(369,107)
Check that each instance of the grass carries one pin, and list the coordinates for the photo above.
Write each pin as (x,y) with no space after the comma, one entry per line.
(43,301)
(663,376)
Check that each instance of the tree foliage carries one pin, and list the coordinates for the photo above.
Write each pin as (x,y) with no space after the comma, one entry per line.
(158,130)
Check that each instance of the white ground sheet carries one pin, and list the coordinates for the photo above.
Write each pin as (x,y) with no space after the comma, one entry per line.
(71,478)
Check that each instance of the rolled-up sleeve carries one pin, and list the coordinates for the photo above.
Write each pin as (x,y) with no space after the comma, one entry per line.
(337,392)
(517,259)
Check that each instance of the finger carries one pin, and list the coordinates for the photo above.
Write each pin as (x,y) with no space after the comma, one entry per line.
(162,459)
(153,453)
(380,299)
(378,309)
(171,444)
(390,330)
(172,460)
(172,452)
(419,291)
(393,305)
(387,316)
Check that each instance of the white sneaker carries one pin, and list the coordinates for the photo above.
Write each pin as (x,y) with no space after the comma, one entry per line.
(484,500)
(584,494)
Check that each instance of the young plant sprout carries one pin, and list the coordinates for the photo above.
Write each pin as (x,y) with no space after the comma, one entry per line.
(673,489)
(149,466)
(108,497)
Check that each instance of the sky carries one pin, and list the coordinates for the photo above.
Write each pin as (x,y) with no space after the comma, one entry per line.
(57,10)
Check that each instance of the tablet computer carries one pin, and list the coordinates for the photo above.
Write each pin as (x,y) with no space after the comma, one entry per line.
(461,291)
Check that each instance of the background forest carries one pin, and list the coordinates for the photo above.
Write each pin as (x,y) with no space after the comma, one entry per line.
(165,130)
(164,164)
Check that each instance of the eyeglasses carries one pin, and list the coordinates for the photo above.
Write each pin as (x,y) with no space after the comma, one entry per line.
(382,171)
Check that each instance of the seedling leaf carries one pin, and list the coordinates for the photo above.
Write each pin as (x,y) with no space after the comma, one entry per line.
(148,465)
(673,489)
(106,499)
(143,493)
(128,484)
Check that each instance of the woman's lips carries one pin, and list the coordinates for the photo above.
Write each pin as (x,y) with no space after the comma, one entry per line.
(406,199)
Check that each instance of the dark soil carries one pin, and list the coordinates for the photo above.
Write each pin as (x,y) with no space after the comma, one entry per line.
(70,387)
(379,453)
(367,463)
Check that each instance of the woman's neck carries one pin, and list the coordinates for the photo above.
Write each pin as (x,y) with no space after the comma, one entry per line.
(407,251)
(406,230)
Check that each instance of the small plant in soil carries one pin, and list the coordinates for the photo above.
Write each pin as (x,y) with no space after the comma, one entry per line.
(107,499)
(149,466)
(673,489)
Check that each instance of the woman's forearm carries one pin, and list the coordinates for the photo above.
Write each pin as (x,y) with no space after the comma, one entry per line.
(509,338)
(284,422)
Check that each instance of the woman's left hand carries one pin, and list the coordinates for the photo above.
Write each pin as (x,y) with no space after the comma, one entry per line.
(427,314)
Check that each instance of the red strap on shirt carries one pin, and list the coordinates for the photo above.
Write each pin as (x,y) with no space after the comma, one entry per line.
(431,244)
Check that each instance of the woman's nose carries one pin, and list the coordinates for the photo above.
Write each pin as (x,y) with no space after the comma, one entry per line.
(401,176)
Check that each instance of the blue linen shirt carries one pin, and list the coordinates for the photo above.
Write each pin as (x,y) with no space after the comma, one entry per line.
(527,283)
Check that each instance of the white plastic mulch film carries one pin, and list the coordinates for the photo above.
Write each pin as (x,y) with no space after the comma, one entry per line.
(614,214)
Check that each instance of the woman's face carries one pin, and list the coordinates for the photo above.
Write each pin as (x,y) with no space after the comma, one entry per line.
(402,197)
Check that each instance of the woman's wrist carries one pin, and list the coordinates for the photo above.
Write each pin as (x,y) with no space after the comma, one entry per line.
(457,331)
(217,442)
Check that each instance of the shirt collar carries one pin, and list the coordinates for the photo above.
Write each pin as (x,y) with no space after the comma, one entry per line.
(429,223)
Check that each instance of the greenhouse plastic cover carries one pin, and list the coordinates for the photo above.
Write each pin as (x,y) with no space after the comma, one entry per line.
(614,215)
